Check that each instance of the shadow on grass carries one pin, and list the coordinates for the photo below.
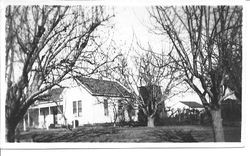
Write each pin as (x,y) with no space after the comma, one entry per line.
(173,136)
(77,135)
(130,134)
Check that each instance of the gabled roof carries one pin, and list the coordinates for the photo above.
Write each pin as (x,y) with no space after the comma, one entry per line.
(107,88)
(192,104)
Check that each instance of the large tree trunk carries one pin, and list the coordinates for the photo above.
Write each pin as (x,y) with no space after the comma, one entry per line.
(151,121)
(14,114)
(217,125)
(11,125)
(10,132)
(12,122)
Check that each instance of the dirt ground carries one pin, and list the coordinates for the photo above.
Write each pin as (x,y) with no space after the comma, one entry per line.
(130,134)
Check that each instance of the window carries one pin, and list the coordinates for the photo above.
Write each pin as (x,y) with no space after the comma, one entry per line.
(44,111)
(74,107)
(53,110)
(106,110)
(77,108)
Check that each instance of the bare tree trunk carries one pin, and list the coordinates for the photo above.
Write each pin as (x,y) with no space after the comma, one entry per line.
(151,121)
(14,118)
(11,134)
(10,131)
(217,125)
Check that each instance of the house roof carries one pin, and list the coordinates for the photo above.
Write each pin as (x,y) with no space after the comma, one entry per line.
(192,104)
(99,87)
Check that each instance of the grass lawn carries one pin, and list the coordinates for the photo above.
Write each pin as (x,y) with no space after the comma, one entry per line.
(192,133)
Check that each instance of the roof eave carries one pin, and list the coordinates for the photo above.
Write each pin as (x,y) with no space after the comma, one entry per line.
(106,95)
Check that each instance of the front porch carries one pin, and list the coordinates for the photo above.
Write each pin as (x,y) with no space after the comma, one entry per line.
(43,117)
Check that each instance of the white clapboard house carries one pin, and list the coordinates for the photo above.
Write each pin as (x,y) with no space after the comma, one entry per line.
(85,101)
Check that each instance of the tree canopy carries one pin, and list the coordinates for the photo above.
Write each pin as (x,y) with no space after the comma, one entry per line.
(46,45)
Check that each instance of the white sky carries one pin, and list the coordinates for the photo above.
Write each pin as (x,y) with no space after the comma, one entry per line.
(131,25)
(135,21)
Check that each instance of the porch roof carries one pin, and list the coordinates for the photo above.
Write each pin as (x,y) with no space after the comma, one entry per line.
(53,95)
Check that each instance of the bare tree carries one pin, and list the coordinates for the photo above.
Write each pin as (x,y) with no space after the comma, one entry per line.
(159,75)
(205,40)
(152,71)
(45,45)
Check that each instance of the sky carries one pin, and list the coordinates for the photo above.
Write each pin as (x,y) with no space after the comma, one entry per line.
(132,24)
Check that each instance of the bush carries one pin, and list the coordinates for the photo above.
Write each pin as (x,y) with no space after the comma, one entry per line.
(231,110)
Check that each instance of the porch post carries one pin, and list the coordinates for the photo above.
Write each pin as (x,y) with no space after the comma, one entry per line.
(24,124)
(47,124)
(39,117)
(74,124)
(28,118)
